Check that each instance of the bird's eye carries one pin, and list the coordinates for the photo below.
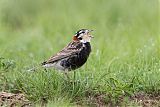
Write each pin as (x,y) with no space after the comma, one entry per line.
(83,32)
(80,38)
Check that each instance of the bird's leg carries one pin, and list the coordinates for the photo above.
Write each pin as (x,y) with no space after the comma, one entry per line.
(66,75)
(45,69)
(74,75)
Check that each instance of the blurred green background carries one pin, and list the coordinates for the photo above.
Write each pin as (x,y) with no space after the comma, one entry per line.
(124,30)
(39,26)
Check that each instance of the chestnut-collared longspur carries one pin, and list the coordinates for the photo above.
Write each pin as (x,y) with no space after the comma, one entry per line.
(74,55)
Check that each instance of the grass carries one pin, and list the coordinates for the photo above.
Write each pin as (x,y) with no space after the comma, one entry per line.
(125,51)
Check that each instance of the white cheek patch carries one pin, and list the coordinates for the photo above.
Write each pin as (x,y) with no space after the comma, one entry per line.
(84,40)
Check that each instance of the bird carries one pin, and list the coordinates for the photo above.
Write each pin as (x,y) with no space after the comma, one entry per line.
(74,55)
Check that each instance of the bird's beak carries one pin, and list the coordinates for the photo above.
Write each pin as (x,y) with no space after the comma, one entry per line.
(91,30)
(91,35)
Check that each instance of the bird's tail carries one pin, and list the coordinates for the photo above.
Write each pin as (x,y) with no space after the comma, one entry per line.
(33,69)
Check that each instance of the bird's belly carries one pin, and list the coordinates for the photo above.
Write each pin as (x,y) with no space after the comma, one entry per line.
(73,62)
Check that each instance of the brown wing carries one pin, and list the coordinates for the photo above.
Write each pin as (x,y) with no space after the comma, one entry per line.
(71,49)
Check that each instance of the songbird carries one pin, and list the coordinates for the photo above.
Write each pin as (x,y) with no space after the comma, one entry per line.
(74,55)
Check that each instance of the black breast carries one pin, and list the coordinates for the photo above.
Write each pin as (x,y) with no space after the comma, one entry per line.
(79,59)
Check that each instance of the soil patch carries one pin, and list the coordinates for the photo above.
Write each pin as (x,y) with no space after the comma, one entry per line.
(13,100)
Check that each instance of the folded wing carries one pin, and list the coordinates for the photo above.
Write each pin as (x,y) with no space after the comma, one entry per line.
(72,48)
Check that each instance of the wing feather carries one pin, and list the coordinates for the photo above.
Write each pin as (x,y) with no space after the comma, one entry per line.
(71,49)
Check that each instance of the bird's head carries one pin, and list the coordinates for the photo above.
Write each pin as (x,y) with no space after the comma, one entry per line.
(83,36)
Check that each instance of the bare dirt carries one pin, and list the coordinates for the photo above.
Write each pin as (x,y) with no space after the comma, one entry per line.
(98,100)
(13,100)
(146,100)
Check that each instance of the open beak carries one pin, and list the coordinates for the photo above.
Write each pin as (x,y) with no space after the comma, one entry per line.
(91,30)
(91,35)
